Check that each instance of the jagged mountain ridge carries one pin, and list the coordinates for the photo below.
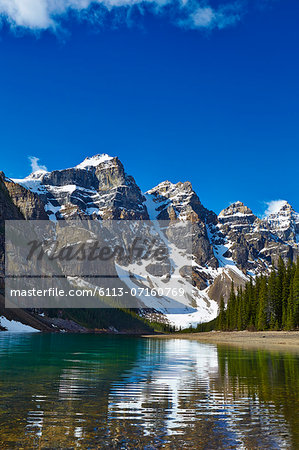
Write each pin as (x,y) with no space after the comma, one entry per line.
(255,243)
(96,188)
(227,247)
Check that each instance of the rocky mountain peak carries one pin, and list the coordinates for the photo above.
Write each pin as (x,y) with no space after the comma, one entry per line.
(38,174)
(96,188)
(235,209)
(233,245)
(283,220)
(171,199)
(283,208)
(29,203)
(94,161)
(168,189)
(237,215)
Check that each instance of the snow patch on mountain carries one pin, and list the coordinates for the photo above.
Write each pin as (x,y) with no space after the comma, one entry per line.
(203,313)
(94,161)
(202,308)
(274,207)
(167,194)
(16,327)
(233,245)
(33,182)
(283,221)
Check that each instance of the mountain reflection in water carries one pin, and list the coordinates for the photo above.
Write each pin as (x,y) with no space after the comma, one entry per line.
(93,391)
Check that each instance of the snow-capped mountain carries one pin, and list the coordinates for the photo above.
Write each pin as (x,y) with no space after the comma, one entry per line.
(232,246)
(96,188)
(284,222)
(253,243)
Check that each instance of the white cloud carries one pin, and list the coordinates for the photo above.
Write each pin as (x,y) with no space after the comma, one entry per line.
(274,206)
(28,13)
(43,14)
(35,165)
(203,17)
(207,17)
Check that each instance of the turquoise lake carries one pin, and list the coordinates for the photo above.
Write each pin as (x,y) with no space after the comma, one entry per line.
(95,391)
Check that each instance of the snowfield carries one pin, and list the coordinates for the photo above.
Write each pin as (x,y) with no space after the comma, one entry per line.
(16,327)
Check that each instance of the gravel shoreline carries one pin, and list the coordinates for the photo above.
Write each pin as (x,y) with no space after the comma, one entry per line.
(280,340)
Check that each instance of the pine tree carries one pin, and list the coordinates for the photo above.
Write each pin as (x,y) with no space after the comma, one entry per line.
(272,299)
(267,303)
(262,308)
(290,313)
(221,320)
(251,303)
(295,289)
(240,310)
(280,288)
(231,309)
(286,292)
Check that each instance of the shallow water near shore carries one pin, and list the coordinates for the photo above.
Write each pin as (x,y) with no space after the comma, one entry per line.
(95,391)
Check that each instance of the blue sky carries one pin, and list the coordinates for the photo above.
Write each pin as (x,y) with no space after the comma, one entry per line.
(206,92)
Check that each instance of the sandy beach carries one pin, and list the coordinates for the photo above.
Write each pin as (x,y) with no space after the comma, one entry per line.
(272,340)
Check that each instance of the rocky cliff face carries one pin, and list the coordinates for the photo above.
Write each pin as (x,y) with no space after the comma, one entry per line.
(16,203)
(237,215)
(28,203)
(169,201)
(284,223)
(8,211)
(97,188)
(254,244)
(232,246)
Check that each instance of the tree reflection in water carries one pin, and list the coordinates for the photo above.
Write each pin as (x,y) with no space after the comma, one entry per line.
(91,391)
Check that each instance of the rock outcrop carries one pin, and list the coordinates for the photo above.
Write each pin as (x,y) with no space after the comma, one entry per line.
(8,211)
(232,246)
(96,188)
(255,244)
(169,201)
(29,204)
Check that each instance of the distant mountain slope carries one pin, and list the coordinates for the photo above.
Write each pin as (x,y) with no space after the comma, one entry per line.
(232,246)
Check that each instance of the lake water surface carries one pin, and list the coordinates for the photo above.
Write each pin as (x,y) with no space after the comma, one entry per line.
(95,391)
